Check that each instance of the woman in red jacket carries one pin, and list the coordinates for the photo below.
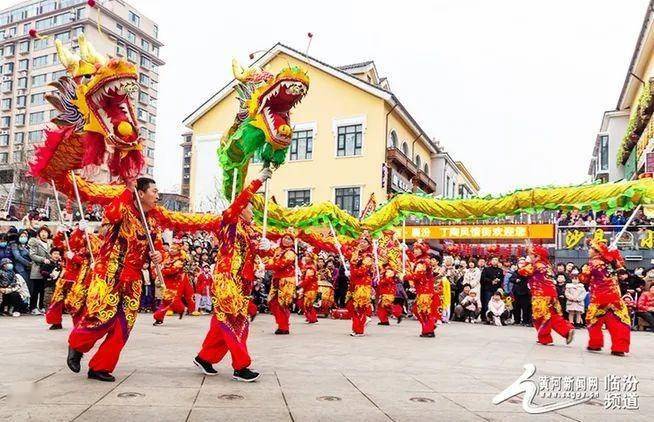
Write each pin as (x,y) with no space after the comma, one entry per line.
(645,307)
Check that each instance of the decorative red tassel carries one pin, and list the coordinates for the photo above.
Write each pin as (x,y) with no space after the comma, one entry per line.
(91,3)
(33,33)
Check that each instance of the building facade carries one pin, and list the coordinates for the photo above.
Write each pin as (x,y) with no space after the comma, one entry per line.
(625,142)
(187,152)
(352,140)
(467,186)
(29,65)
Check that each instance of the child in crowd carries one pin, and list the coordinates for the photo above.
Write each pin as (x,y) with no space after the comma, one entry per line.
(497,312)
(561,281)
(471,307)
(575,294)
(202,285)
(446,298)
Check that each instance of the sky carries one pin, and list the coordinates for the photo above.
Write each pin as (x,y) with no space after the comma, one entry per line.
(513,88)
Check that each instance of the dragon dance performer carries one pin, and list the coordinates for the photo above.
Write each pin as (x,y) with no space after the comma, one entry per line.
(72,265)
(232,285)
(421,278)
(546,309)
(606,305)
(386,295)
(309,286)
(75,303)
(282,288)
(325,273)
(177,297)
(362,272)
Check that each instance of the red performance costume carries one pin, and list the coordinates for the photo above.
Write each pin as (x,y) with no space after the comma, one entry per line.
(75,303)
(178,295)
(72,265)
(546,309)
(114,291)
(606,305)
(282,288)
(362,271)
(386,295)
(309,286)
(232,284)
(427,303)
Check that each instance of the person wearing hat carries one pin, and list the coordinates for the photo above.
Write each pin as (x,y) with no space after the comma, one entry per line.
(309,286)
(547,314)
(13,290)
(421,278)
(386,295)
(175,297)
(281,262)
(606,305)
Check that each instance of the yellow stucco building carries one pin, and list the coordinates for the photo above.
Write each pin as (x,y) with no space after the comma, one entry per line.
(352,138)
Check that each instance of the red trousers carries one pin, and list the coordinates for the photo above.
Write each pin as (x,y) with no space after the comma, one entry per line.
(226,337)
(555,322)
(619,331)
(54,313)
(185,291)
(398,310)
(383,312)
(427,322)
(310,314)
(359,316)
(56,309)
(116,330)
(174,305)
(282,314)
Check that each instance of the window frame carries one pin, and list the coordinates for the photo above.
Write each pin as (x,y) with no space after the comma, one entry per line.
(293,191)
(335,196)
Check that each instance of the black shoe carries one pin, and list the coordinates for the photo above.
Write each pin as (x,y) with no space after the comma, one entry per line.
(245,375)
(383,323)
(399,319)
(101,376)
(570,337)
(205,367)
(56,327)
(280,331)
(594,349)
(617,353)
(428,335)
(73,359)
(157,322)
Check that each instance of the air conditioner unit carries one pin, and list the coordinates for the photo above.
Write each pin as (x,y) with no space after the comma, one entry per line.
(4,132)
(6,78)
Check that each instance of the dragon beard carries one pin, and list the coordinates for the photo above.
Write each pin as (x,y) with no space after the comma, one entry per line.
(127,164)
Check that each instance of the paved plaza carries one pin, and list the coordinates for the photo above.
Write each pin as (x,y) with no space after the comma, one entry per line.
(316,373)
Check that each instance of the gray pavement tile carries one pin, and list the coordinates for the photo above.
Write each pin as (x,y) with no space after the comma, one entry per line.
(239,414)
(124,395)
(134,414)
(39,412)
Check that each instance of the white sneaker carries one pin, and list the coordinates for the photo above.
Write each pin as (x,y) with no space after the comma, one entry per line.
(368,319)
(35,312)
(15,314)
(498,323)
(353,334)
(42,311)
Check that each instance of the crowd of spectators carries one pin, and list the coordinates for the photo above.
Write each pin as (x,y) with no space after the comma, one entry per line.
(592,219)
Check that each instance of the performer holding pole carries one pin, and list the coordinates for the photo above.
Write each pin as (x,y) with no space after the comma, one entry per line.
(115,289)
(81,215)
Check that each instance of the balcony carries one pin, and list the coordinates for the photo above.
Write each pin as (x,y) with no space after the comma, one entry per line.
(419,178)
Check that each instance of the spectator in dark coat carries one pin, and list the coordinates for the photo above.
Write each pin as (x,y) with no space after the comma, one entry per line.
(522,296)
(491,280)
(21,254)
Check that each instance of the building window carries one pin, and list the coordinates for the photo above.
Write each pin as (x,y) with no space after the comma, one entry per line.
(143,97)
(426,169)
(150,152)
(144,80)
(150,171)
(134,18)
(8,68)
(27,27)
(155,31)
(20,100)
(145,45)
(4,157)
(349,199)
(19,119)
(392,140)
(145,62)
(37,118)
(64,37)
(418,161)
(4,140)
(24,46)
(23,64)
(301,145)
(8,50)
(298,198)
(77,31)
(131,37)
(19,137)
(40,44)
(35,135)
(37,99)
(152,119)
(119,29)
(39,80)
(405,148)
(6,104)
(40,61)
(349,140)
(604,153)
(132,55)
(7,86)
(142,115)
(58,74)
(22,83)
(447,187)
(5,121)
(18,156)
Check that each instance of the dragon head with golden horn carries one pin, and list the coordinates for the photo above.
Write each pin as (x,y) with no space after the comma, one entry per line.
(96,123)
